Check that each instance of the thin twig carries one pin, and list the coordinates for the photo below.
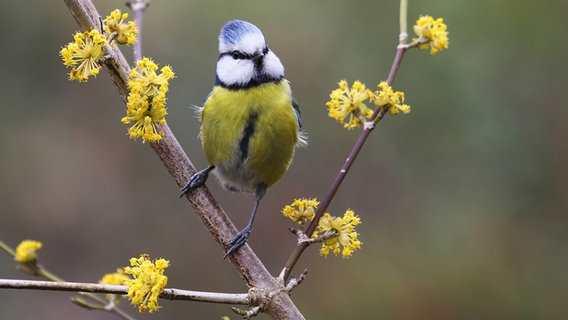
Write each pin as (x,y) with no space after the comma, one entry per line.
(403,16)
(138,7)
(4,246)
(171,294)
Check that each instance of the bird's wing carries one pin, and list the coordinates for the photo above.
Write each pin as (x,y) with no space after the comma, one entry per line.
(302,136)
(296,107)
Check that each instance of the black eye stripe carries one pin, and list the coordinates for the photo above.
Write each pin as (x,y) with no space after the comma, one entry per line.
(239,55)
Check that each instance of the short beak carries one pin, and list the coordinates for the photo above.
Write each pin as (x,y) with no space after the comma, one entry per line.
(257,57)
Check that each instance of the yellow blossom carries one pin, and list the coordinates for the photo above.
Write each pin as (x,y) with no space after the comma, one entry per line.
(301,210)
(125,32)
(394,99)
(431,34)
(345,234)
(148,282)
(146,105)
(26,251)
(347,106)
(83,55)
(119,278)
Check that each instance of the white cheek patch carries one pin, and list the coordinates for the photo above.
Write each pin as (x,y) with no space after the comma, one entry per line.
(232,72)
(273,66)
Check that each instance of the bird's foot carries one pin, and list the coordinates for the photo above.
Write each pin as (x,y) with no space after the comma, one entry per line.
(196,181)
(238,241)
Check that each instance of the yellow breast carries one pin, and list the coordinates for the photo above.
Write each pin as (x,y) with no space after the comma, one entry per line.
(249,135)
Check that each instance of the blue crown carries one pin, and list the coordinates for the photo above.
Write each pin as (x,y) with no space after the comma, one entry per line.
(233,31)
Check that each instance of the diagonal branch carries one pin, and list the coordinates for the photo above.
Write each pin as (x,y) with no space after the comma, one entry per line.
(180,168)
(378,115)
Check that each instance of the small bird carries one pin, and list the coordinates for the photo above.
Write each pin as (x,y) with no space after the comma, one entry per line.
(250,122)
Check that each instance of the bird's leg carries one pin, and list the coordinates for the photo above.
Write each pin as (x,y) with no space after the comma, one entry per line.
(196,180)
(242,237)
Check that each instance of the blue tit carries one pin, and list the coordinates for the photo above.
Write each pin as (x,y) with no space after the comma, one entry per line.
(250,122)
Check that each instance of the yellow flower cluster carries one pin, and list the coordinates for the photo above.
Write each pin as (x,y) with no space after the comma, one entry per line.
(386,96)
(83,55)
(301,210)
(146,105)
(333,232)
(431,34)
(26,251)
(345,234)
(348,106)
(148,283)
(124,32)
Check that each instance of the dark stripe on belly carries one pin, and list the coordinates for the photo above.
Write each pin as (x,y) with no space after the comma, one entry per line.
(247,134)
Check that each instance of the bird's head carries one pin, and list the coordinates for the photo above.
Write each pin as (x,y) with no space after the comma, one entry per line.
(244,58)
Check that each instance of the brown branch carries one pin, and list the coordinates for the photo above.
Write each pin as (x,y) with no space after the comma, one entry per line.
(180,168)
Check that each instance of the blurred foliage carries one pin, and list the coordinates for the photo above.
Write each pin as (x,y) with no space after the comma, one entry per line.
(463,202)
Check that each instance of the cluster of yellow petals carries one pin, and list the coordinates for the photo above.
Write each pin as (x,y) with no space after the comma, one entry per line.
(345,240)
(301,210)
(83,55)
(431,34)
(146,105)
(348,106)
(337,234)
(148,282)
(26,251)
(387,96)
(125,32)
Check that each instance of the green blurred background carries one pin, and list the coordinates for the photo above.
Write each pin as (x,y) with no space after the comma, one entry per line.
(463,202)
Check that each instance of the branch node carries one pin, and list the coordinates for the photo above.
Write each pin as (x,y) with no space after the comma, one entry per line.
(258,296)
(302,237)
(403,37)
(261,297)
(111,305)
